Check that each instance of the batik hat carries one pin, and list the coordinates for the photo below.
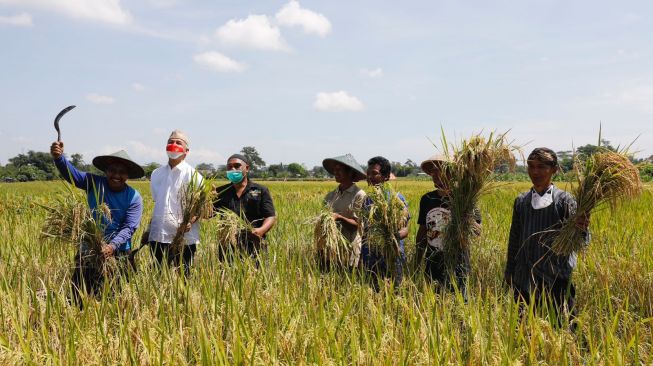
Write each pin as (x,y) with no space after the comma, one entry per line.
(347,160)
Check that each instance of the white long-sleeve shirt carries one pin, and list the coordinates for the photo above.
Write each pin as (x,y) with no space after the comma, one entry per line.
(166,184)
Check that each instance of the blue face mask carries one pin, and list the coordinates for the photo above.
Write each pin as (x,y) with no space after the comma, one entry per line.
(235,176)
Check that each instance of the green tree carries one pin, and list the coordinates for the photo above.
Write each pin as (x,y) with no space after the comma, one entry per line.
(149,168)
(297,170)
(318,171)
(255,160)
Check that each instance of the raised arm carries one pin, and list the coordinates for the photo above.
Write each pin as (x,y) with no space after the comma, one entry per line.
(66,168)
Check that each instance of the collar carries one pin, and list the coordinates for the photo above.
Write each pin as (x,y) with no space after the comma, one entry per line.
(353,188)
(541,201)
(180,166)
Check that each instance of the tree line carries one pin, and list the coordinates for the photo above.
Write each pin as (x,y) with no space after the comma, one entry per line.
(37,165)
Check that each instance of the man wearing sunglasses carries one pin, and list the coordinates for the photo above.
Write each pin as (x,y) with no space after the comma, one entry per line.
(250,201)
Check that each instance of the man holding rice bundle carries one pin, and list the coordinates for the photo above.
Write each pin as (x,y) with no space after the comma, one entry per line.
(124,202)
(395,206)
(251,202)
(434,215)
(532,269)
(166,184)
(345,202)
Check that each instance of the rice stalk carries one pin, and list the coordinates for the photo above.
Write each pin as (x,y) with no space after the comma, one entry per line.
(69,220)
(231,230)
(196,200)
(383,218)
(468,175)
(605,178)
(330,244)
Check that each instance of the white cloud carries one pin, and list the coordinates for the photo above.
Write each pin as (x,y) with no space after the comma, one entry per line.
(18,20)
(255,31)
(138,87)
(106,11)
(292,14)
(218,62)
(337,102)
(99,99)
(373,74)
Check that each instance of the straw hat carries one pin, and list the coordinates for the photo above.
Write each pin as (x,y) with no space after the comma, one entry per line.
(430,164)
(347,160)
(102,162)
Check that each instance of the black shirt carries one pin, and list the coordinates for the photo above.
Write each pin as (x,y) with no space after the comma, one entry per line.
(255,202)
(434,215)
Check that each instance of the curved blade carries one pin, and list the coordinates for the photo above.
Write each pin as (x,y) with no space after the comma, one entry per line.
(58,117)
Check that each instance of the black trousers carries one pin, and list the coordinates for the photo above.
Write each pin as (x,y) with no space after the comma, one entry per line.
(246,247)
(436,270)
(559,296)
(88,278)
(161,252)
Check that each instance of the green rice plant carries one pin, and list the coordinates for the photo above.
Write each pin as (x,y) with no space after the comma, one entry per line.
(468,175)
(383,217)
(604,178)
(330,244)
(196,200)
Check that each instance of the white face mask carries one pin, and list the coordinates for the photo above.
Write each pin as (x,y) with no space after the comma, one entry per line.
(174,155)
(539,202)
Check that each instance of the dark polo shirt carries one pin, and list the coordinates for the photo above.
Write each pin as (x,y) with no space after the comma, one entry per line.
(255,203)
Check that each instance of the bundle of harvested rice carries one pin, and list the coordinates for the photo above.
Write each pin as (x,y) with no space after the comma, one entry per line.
(330,244)
(605,177)
(69,220)
(383,217)
(231,230)
(467,175)
(196,199)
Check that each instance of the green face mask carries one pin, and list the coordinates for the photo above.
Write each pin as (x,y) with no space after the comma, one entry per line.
(235,176)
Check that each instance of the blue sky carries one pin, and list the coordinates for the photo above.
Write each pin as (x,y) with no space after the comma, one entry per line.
(305,80)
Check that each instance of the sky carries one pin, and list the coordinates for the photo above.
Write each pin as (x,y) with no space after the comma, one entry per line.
(305,80)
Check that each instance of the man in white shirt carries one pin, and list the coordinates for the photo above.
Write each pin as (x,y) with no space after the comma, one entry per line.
(166,183)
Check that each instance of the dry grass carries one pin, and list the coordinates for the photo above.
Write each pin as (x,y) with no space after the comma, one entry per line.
(231,230)
(382,220)
(604,178)
(70,221)
(196,200)
(330,244)
(467,176)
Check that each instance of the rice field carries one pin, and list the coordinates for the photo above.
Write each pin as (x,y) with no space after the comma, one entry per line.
(287,311)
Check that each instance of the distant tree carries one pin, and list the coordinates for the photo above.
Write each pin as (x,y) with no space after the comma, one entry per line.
(318,171)
(565,160)
(149,168)
(205,167)
(274,170)
(297,170)
(255,160)
(78,161)
(40,160)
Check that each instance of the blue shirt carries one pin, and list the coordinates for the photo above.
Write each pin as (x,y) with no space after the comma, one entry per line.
(126,206)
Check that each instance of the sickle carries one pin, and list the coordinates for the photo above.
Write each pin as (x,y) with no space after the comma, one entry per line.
(56,120)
